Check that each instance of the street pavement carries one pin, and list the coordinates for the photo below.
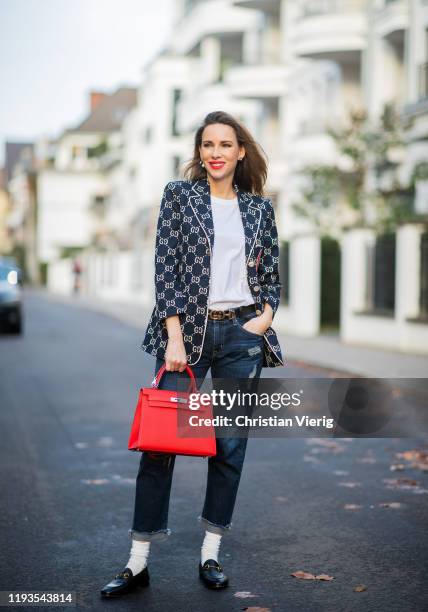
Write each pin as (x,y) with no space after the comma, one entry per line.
(325,350)
(320,505)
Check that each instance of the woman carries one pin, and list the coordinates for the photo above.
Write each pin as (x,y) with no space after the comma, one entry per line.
(217,291)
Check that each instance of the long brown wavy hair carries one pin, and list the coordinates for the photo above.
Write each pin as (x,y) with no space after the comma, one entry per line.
(250,173)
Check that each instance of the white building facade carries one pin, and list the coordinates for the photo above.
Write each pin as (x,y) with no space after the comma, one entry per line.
(290,69)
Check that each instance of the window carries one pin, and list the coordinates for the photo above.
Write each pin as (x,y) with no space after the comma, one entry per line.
(284,271)
(147,134)
(175,171)
(423,292)
(384,274)
(175,101)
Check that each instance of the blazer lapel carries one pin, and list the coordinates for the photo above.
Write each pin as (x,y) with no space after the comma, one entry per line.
(200,201)
(251,214)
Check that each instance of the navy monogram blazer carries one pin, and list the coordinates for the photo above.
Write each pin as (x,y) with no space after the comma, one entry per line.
(184,243)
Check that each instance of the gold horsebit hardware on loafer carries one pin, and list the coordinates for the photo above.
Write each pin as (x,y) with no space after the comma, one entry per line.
(217,567)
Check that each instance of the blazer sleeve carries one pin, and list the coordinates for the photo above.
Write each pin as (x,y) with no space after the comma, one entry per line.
(170,299)
(268,270)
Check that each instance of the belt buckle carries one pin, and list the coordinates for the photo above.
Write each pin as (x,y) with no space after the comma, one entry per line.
(217,315)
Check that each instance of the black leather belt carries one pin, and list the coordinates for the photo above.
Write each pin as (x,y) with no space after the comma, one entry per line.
(218,315)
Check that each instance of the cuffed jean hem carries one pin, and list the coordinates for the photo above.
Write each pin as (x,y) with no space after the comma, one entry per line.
(148,536)
(214,527)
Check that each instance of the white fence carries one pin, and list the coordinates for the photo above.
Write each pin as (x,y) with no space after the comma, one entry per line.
(116,276)
(129,277)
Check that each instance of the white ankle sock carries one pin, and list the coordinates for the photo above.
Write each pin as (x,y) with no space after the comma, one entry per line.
(210,546)
(139,554)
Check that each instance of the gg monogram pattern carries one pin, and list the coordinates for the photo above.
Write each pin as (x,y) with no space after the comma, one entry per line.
(184,243)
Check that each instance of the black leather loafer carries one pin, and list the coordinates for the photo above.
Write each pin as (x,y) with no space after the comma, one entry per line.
(211,574)
(124,582)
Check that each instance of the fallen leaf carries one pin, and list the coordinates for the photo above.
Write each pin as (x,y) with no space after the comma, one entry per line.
(308,576)
(244,594)
(413,455)
(397,466)
(390,505)
(327,445)
(310,458)
(360,588)
(81,445)
(417,458)
(303,575)
(349,484)
(122,479)
(352,506)
(324,577)
(400,483)
(95,481)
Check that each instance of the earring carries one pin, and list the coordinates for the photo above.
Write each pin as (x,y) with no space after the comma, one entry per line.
(201,162)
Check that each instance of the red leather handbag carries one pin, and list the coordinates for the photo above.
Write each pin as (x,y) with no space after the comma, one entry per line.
(161,421)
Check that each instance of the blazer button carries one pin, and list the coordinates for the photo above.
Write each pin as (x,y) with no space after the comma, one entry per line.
(256,288)
(258,312)
(251,263)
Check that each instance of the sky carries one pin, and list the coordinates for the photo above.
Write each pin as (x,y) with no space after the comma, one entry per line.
(53,52)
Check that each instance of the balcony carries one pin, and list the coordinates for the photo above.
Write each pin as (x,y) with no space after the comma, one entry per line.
(392,17)
(271,7)
(202,100)
(331,28)
(417,111)
(204,19)
(310,8)
(257,81)
(423,81)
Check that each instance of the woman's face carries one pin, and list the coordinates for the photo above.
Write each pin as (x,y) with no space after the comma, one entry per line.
(220,150)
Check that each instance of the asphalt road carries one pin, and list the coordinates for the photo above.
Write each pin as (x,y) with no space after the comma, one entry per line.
(68,392)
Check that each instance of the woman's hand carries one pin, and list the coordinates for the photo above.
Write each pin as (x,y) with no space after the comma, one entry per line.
(175,355)
(259,324)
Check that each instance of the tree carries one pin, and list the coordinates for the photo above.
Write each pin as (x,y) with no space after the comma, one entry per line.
(364,185)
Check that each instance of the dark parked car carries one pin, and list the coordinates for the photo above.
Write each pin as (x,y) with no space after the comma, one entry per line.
(11,310)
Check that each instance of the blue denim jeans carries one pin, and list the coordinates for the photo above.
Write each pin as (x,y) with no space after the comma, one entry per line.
(231,352)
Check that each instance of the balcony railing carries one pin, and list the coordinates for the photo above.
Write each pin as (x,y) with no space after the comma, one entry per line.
(423,81)
(312,8)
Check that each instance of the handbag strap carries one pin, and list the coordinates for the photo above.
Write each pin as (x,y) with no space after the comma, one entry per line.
(192,386)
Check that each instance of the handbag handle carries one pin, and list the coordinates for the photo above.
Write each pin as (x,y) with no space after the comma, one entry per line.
(192,386)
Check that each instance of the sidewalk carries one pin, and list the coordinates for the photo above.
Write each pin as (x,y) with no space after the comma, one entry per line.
(326,351)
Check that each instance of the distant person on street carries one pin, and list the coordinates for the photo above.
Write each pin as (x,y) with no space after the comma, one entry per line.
(77,274)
